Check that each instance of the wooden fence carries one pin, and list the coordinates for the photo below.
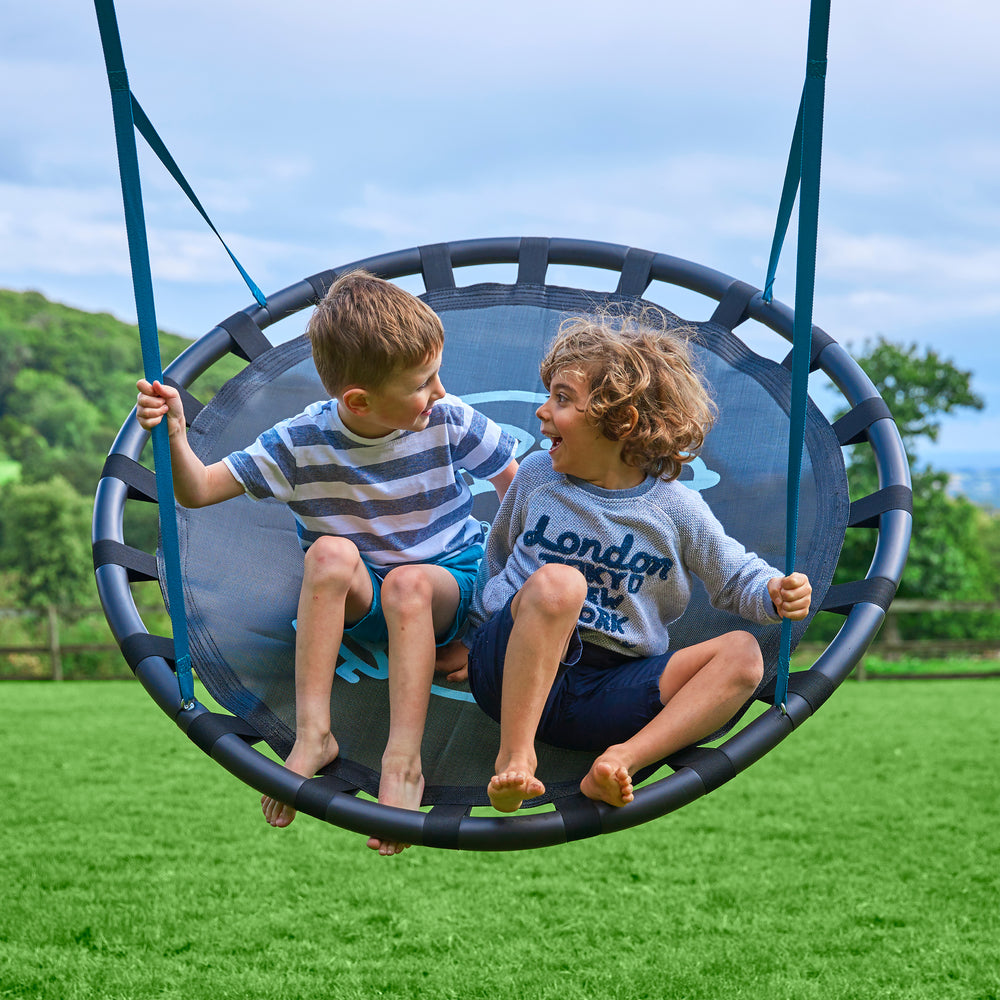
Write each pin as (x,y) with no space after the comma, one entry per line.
(888,643)
(54,648)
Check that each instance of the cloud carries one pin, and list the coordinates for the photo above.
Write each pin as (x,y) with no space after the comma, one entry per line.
(865,258)
(962,438)
(319,133)
(75,233)
(60,230)
(653,204)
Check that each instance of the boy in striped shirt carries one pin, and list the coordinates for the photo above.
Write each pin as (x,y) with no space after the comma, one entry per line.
(383,513)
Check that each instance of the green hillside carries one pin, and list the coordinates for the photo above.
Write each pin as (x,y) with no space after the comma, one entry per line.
(67,382)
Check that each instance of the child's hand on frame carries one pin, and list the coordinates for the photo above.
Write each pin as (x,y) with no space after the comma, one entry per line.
(791,595)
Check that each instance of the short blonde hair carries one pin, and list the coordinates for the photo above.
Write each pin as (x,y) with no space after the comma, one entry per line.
(633,366)
(365,330)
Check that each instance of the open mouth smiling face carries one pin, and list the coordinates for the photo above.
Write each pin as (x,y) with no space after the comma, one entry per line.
(578,448)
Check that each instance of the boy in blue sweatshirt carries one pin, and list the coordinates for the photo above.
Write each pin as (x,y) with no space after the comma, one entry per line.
(591,558)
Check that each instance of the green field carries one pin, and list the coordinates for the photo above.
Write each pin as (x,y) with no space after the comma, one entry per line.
(861,859)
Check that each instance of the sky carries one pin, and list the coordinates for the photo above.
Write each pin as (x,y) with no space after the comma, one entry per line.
(317,133)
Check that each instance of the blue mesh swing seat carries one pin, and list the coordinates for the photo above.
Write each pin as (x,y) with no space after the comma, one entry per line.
(242,563)
(231,573)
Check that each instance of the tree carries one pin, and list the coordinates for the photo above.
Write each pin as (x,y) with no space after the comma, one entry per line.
(45,541)
(918,386)
(948,559)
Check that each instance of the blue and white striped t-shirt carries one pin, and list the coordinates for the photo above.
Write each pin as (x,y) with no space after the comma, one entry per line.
(400,498)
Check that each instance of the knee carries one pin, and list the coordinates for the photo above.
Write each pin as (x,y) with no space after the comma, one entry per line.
(406,589)
(747,664)
(555,591)
(331,561)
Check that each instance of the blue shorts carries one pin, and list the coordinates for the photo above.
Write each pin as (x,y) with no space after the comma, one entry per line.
(464,567)
(599,697)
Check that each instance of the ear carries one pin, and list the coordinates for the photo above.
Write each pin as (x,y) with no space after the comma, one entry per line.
(355,400)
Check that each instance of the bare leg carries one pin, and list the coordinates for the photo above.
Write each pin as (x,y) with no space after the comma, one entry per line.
(701,688)
(418,601)
(545,612)
(335,584)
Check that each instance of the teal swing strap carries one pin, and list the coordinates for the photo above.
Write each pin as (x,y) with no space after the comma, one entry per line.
(802,175)
(127,117)
(146,130)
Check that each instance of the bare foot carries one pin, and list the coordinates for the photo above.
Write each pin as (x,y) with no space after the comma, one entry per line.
(509,789)
(452,660)
(400,785)
(608,781)
(306,758)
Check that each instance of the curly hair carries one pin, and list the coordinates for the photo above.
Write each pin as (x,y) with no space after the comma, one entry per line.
(644,387)
(365,330)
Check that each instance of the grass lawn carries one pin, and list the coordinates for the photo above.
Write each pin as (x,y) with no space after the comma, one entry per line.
(861,859)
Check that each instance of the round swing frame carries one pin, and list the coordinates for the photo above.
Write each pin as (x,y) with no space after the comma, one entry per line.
(699,770)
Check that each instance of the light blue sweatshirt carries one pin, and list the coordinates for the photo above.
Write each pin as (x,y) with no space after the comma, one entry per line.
(637,548)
